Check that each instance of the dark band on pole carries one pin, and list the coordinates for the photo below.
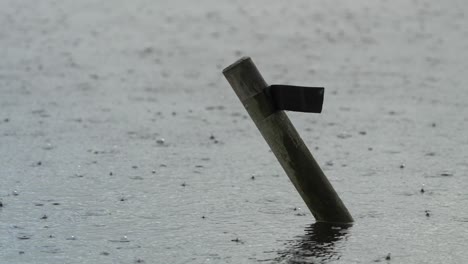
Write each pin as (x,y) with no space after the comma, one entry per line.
(296,98)
(287,97)
(261,102)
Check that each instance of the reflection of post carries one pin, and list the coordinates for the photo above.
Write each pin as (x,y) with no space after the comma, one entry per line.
(317,245)
(286,144)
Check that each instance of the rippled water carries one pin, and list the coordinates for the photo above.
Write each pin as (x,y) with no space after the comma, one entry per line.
(317,244)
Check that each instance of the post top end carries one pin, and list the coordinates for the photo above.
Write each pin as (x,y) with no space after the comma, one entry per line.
(239,61)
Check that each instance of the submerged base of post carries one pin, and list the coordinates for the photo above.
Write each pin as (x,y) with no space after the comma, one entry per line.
(286,144)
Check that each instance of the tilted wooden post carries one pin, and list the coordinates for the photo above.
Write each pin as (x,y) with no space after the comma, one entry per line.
(286,144)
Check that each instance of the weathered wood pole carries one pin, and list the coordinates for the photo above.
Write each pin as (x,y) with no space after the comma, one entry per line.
(286,144)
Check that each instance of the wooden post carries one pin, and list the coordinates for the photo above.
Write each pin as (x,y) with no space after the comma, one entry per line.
(286,144)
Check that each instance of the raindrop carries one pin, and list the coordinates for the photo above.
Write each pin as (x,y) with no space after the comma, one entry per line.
(344,135)
(23,236)
(48,147)
(123,239)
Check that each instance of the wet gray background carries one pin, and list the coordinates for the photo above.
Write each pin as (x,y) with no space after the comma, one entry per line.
(87,88)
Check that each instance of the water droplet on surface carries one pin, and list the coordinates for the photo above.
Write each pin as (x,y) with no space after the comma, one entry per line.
(48,146)
(24,236)
(344,135)
(123,239)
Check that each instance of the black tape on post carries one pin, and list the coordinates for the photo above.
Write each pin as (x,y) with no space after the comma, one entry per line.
(296,98)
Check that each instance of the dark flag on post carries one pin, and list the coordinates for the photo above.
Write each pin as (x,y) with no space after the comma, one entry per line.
(296,98)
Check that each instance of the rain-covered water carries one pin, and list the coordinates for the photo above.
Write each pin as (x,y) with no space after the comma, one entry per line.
(121,142)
